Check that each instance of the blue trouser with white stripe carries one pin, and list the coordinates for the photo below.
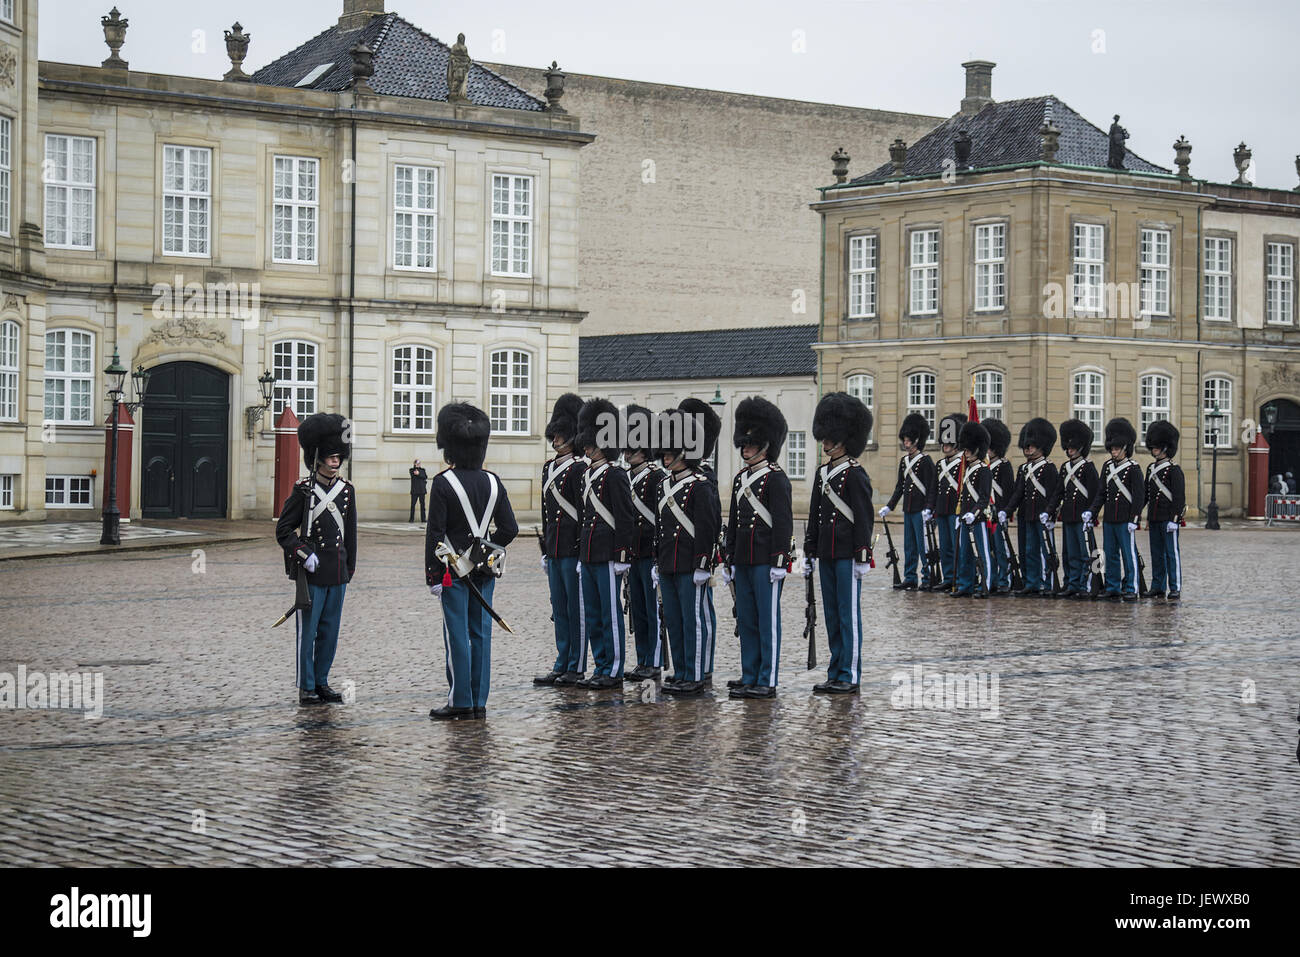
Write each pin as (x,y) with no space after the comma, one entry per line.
(1117,541)
(1033,556)
(914,549)
(318,635)
(1001,561)
(758,614)
(1074,548)
(467,637)
(686,616)
(947,525)
(604,614)
(1166,559)
(566,609)
(841,603)
(645,615)
(968,577)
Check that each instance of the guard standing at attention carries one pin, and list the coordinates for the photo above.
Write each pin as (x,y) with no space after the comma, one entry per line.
(1120,497)
(1078,489)
(916,477)
(972,509)
(1166,495)
(646,476)
(1034,500)
(943,502)
(1003,480)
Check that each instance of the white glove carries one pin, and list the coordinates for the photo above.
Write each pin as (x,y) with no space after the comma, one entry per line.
(701,576)
(621,568)
(776,575)
(312,563)
(926,514)
(807,568)
(654,575)
(1002,518)
(544,568)
(435,591)
(884,511)
(1132,527)
(860,570)
(1171,526)
(1087,518)
(579,569)
(728,574)
(969,518)
(1044,518)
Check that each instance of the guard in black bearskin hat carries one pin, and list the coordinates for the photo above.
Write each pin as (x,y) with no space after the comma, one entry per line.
(605,543)
(840,520)
(470,525)
(1079,482)
(1119,500)
(1003,478)
(760,529)
(1034,501)
(974,557)
(1166,501)
(943,505)
(646,475)
(318,530)
(690,518)
(561,518)
(915,487)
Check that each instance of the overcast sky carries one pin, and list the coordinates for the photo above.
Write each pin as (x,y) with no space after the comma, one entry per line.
(1219,72)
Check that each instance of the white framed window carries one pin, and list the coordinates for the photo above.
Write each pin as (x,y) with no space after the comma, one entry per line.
(413,389)
(920,396)
(1153,272)
(796,455)
(1217,296)
(187,200)
(924,272)
(69,175)
(6,492)
(415,218)
(990,267)
(512,225)
(9,335)
(293,363)
(988,393)
(68,491)
(1089,273)
(1088,396)
(6,171)
(7,11)
(69,376)
(863,386)
(1217,392)
(1279,283)
(295,210)
(510,391)
(1153,401)
(863,262)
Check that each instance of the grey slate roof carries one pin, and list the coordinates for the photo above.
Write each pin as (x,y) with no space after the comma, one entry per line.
(769,352)
(408,62)
(1006,134)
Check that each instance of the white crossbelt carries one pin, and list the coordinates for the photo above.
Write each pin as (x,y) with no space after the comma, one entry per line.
(748,479)
(646,512)
(1155,477)
(1071,475)
(908,466)
(1112,477)
(970,473)
(829,492)
(477,529)
(326,504)
(1032,471)
(560,500)
(669,499)
(945,470)
(993,470)
(594,500)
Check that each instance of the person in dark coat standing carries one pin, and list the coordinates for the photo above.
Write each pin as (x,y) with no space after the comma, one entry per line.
(1001,485)
(327,551)
(646,476)
(561,521)
(1166,495)
(1034,500)
(419,487)
(1121,494)
(974,564)
(1079,482)
(916,478)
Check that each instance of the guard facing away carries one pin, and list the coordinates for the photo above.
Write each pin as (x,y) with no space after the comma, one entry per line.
(605,546)
(840,521)
(1079,482)
(646,476)
(943,504)
(1034,501)
(916,478)
(470,525)
(562,478)
(318,531)
(1002,482)
(974,556)
(1119,500)
(760,529)
(1166,495)
(690,518)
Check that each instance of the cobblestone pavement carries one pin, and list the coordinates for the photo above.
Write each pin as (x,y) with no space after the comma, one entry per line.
(1146,734)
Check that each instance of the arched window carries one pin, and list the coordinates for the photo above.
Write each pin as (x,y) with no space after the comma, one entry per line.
(293,362)
(863,386)
(1153,401)
(988,393)
(920,395)
(69,376)
(1088,397)
(9,372)
(413,389)
(510,391)
(1216,396)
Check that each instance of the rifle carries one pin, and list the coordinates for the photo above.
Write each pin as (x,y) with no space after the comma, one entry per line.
(1017,577)
(1053,561)
(301,595)
(932,561)
(663,630)
(892,554)
(1142,570)
(731,587)
(1096,564)
(975,554)
(810,623)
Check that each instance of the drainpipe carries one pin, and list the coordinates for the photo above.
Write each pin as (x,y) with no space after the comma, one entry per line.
(352,278)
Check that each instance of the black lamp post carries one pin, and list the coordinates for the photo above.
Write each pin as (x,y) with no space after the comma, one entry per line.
(1212,512)
(719,403)
(116,377)
(253,414)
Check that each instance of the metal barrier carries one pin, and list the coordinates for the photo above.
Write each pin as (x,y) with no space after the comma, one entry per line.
(1282,508)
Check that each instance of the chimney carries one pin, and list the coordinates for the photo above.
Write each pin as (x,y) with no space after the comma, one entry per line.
(979,86)
(357,13)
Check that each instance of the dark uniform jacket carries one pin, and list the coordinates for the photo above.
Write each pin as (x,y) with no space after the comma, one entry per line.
(914,468)
(334,547)
(419,481)
(976,489)
(1112,505)
(559,528)
(645,490)
(1079,482)
(447,517)
(750,540)
(1026,500)
(943,497)
(680,551)
(1003,483)
(608,485)
(831,535)
(1162,507)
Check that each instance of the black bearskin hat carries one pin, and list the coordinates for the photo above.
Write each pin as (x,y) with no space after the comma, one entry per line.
(321,435)
(1120,431)
(638,423)
(974,438)
(712,425)
(1076,434)
(1161,434)
(595,416)
(999,437)
(951,425)
(759,422)
(916,428)
(463,432)
(564,418)
(1040,433)
(843,419)
(661,437)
